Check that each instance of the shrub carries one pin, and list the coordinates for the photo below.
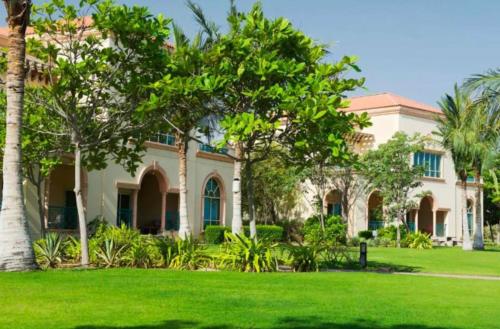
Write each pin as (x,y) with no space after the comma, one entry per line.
(189,255)
(368,234)
(386,242)
(335,230)
(143,252)
(167,248)
(292,230)
(49,250)
(244,254)
(304,258)
(419,240)
(355,241)
(214,234)
(109,253)
(72,249)
(390,232)
(337,254)
(270,233)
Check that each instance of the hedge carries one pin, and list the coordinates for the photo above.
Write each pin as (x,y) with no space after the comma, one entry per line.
(271,233)
(214,234)
(366,234)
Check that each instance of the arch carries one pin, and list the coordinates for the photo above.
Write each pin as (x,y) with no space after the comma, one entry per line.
(162,178)
(333,202)
(213,177)
(426,210)
(374,210)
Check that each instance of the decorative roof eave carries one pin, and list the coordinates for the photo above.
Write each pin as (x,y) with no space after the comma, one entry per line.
(404,110)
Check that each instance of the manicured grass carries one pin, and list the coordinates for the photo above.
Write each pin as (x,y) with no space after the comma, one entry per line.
(154,299)
(437,260)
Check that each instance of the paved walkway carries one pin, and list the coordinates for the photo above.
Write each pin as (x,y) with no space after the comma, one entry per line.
(437,275)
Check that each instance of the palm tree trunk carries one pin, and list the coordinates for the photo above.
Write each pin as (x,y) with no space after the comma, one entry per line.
(16,250)
(41,209)
(237,222)
(478,230)
(79,206)
(184,228)
(466,243)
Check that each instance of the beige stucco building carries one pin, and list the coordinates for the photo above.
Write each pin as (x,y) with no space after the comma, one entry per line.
(440,213)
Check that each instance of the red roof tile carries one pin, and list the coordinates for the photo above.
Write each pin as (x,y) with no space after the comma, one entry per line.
(387,100)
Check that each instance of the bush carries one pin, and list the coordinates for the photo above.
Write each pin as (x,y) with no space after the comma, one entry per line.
(270,233)
(304,258)
(109,253)
(368,234)
(419,240)
(292,230)
(355,241)
(335,230)
(72,250)
(244,254)
(143,252)
(49,250)
(390,232)
(189,254)
(214,234)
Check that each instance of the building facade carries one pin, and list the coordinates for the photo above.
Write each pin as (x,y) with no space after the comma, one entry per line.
(440,212)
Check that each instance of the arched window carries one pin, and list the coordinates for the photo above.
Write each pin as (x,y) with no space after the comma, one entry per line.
(470,216)
(211,203)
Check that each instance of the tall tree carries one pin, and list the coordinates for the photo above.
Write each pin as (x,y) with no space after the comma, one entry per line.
(16,251)
(454,135)
(182,98)
(98,78)
(390,171)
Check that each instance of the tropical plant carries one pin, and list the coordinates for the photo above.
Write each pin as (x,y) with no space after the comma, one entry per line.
(109,253)
(304,258)
(246,254)
(334,232)
(190,255)
(49,251)
(97,81)
(72,250)
(455,137)
(143,252)
(16,250)
(167,249)
(368,234)
(419,240)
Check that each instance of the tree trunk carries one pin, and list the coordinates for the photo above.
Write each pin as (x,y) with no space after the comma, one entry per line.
(184,228)
(398,230)
(478,230)
(492,236)
(237,222)
(79,206)
(322,193)
(251,206)
(41,209)
(466,243)
(16,250)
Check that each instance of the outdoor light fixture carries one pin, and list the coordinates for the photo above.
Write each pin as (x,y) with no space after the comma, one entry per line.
(363,261)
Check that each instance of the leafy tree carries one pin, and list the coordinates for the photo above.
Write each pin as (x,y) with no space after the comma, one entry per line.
(100,68)
(492,197)
(390,171)
(269,69)
(16,251)
(277,188)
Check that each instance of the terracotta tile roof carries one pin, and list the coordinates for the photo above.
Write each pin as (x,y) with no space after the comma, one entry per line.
(387,100)
(81,21)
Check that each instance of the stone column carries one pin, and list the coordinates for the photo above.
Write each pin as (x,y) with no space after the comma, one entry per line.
(434,233)
(416,221)
(135,194)
(163,210)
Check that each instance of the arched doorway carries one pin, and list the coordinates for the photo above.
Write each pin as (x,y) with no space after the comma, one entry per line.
(375,211)
(151,202)
(333,203)
(425,215)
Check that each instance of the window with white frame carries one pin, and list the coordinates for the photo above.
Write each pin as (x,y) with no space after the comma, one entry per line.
(431,162)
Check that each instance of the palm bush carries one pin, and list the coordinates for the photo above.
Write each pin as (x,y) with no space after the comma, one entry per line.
(245,254)
(168,249)
(49,250)
(72,250)
(304,258)
(189,255)
(109,253)
(143,252)
(419,240)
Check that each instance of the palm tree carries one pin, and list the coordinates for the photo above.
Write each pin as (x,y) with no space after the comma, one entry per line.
(16,251)
(454,137)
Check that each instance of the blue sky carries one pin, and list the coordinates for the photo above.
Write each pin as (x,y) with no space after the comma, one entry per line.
(417,49)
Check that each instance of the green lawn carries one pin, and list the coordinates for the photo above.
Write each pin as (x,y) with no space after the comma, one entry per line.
(154,299)
(437,260)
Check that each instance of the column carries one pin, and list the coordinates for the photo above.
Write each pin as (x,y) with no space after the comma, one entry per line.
(163,210)
(416,220)
(434,223)
(134,208)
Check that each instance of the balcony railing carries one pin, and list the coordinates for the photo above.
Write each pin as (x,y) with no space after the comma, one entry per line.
(62,218)
(411,225)
(162,138)
(172,220)
(124,216)
(440,228)
(375,224)
(211,149)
